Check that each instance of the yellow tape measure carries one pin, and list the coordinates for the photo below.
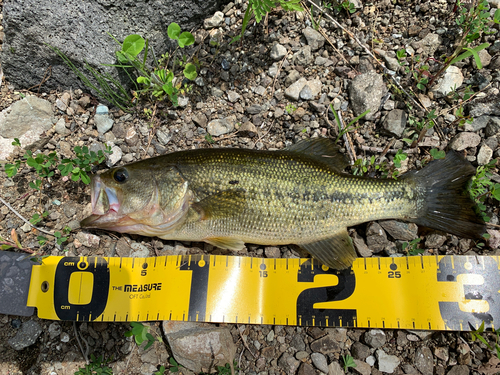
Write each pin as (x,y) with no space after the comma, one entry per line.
(422,292)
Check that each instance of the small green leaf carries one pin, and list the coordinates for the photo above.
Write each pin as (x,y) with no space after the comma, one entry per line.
(190,71)
(85,178)
(469,53)
(173,31)
(133,45)
(145,81)
(436,154)
(185,39)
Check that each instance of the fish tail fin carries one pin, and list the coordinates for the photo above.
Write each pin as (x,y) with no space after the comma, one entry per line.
(445,203)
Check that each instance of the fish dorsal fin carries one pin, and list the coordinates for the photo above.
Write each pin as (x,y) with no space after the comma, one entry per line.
(226,203)
(226,243)
(336,252)
(323,150)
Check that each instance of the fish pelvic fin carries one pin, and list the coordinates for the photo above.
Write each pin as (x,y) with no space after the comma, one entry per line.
(226,243)
(336,252)
(446,204)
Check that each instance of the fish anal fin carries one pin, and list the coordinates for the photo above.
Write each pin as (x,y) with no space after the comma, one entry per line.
(336,252)
(226,243)
(224,204)
(323,150)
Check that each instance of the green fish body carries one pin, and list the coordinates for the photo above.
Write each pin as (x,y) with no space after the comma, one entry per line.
(228,197)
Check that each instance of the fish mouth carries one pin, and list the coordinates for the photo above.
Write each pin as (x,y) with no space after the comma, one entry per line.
(105,206)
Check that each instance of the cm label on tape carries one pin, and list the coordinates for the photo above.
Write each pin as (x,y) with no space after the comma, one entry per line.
(423,292)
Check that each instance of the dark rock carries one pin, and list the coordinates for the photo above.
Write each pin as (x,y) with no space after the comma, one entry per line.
(493,127)
(247,129)
(360,246)
(434,240)
(26,336)
(200,119)
(395,122)
(376,239)
(459,370)
(306,369)
(360,351)
(314,38)
(424,360)
(288,363)
(400,230)
(325,345)
(198,347)
(298,342)
(28,24)
(488,106)
(254,109)
(375,338)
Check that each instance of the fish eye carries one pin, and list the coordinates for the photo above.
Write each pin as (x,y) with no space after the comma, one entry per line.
(120,175)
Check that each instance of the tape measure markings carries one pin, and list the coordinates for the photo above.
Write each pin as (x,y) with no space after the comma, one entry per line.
(424,292)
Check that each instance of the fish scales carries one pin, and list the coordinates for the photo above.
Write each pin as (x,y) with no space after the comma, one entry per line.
(286,199)
(228,197)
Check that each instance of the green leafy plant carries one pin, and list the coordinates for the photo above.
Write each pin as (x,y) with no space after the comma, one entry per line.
(481,187)
(141,334)
(478,335)
(160,371)
(97,366)
(226,370)
(437,154)
(61,237)
(412,247)
(363,166)
(259,9)
(290,108)
(399,157)
(79,167)
(348,362)
(345,5)
(174,366)
(349,126)
(209,139)
(36,218)
(473,20)
(158,81)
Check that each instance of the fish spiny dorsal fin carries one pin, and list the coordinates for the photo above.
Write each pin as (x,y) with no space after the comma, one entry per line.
(323,150)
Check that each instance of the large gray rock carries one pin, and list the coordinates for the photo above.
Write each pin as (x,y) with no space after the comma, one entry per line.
(26,336)
(199,346)
(79,29)
(366,92)
(26,119)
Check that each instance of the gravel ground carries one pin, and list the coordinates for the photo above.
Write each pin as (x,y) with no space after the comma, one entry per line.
(266,93)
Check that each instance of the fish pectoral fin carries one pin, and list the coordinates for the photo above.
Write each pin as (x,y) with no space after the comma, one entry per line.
(226,243)
(336,252)
(226,203)
(323,150)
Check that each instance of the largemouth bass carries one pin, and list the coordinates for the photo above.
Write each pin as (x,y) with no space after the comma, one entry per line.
(228,197)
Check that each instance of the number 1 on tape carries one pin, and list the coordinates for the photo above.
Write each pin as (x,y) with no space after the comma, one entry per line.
(422,292)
